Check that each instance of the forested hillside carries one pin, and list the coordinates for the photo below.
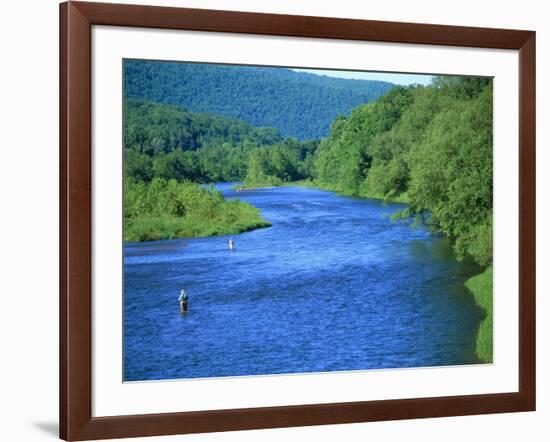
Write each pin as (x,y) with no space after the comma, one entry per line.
(167,142)
(163,141)
(298,104)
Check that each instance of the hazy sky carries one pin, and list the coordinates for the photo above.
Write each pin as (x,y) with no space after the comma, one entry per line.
(403,79)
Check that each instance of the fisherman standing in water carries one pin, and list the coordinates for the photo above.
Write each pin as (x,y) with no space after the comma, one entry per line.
(183,299)
(231,244)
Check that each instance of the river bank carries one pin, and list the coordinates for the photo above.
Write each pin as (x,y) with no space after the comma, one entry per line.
(169,209)
(160,228)
(481,287)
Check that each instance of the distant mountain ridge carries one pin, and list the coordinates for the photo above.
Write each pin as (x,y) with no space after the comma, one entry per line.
(298,104)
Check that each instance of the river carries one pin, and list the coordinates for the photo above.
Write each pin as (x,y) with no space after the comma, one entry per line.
(334,284)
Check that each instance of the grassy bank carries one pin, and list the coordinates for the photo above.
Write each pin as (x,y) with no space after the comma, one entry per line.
(482,288)
(166,227)
(167,209)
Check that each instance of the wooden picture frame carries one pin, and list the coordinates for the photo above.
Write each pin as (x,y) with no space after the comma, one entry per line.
(76,21)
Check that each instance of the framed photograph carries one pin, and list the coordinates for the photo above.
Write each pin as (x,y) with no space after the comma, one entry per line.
(273,220)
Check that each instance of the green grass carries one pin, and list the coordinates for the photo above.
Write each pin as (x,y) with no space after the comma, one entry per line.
(165,209)
(482,288)
(168,227)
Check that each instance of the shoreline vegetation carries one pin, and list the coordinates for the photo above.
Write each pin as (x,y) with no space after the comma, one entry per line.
(429,147)
(313,184)
(481,287)
(167,209)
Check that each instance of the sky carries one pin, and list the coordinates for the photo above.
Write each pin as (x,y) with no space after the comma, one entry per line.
(402,79)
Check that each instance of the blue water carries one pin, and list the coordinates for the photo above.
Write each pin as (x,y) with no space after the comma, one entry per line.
(333,285)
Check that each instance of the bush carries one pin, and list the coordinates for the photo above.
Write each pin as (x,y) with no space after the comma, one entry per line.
(166,209)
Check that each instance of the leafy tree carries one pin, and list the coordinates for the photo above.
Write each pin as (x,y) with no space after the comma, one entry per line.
(431,146)
(344,158)
(170,143)
(178,164)
(452,173)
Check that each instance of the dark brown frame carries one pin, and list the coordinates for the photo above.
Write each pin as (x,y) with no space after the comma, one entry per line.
(76,421)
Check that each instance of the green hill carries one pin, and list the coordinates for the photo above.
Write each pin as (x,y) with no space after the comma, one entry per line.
(298,104)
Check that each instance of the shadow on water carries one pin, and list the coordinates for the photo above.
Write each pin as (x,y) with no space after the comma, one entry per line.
(460,298)
(333,285)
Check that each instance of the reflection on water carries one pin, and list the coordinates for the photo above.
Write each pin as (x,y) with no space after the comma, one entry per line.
(333,285)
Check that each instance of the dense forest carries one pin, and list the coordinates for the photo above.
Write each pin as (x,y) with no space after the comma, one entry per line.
(163,141)
(298,104)
(429,146)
